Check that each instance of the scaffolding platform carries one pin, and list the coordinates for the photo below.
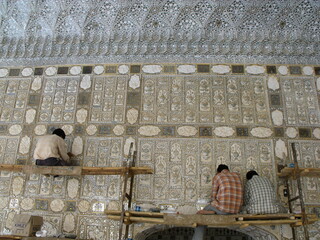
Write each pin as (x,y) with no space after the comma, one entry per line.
(193,220)
(75,170)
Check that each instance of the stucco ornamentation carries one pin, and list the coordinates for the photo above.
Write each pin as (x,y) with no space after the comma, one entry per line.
(224,131)
(75,70)
(316,133)
(277,117)
(40,129)
(50,71)
(283,70)
(91,129)
(26,72)
(30,115)
(36,84)
(17,185)
(98,69)
(25,145)
(3,202)
(149,130)
(261,132)
(186,69)
(291,132)
(123,69)
(151,68)
(68,129)
(3,72)
(69,223)
(132,115)
(73,187)
(82,115)
(57,205)
(77,146)
(273,83)
(307,70)
(85,82)
(134,82)
(15,129)
(281,149)
(255,69)
(221,69)
(118,130)
(27,204)
(83,206)
(187,131)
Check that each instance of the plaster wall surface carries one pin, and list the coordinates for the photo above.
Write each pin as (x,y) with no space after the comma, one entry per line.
(184,120)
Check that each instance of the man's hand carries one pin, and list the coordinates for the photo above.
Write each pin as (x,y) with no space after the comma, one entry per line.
(205,212)
(70,154)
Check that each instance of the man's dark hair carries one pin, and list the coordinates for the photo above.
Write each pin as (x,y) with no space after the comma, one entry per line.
(222,167)
(251,173)
(59,132)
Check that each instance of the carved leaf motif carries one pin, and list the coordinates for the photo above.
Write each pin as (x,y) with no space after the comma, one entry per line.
(236,153)
(161,165)
(191,166)
(175,152)
(175,176)
(206,153)
(146,152)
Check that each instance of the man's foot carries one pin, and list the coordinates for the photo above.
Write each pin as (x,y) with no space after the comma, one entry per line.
(205,212)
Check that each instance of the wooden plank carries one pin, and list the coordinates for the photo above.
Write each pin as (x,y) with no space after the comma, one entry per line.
(138,219)
(307,172)
(212,220)
(9,237)
(11,168)
(60,170)
(74,170)
(135,213)
(189,220)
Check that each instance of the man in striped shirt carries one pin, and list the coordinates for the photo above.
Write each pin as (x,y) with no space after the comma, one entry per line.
(226,196)
(260,196)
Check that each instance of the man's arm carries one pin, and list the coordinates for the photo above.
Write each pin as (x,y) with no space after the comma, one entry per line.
(215,187)
(63,150)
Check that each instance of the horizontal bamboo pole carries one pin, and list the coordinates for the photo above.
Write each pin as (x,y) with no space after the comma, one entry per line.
(84,170)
